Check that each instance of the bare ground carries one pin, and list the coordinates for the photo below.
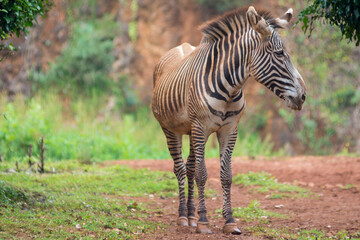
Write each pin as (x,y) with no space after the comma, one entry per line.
(335,205)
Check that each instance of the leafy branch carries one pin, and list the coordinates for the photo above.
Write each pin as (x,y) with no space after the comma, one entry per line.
(344,14)
(16,16)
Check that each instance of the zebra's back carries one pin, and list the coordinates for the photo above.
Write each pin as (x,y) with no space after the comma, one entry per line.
(171,59)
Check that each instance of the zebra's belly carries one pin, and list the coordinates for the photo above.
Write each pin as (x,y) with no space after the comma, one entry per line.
(176,122)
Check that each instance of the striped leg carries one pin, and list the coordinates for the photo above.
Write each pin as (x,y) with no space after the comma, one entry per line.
(227,141)
(198,140)
(190,172)
(174,142)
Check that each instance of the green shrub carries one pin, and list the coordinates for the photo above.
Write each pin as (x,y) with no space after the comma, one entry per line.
(85,64)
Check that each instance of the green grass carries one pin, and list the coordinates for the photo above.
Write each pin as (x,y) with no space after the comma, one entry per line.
(253,212)
(265,183)
(80,201)
(84,130)
(287,233)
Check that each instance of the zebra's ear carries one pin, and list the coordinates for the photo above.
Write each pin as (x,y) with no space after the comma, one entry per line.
(285,19)
(258,23)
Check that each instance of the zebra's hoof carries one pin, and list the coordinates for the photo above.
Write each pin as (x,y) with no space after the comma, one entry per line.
(192,221)
(182,222)
(231,228)
(203,227)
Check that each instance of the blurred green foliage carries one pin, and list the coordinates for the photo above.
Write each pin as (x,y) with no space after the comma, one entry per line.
(85,130)
(76,129)
(330,68)
(84,66)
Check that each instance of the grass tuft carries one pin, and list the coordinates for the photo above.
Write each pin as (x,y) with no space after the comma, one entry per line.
(263,182)
(10,194)
(253,212)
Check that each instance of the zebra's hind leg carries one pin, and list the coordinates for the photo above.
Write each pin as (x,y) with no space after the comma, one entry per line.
(227,141)
(190,172)
(174,142)
(198,140)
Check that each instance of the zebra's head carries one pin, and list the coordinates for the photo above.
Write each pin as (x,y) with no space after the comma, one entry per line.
(270,64)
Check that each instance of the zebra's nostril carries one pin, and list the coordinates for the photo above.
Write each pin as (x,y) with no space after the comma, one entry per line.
(303,97)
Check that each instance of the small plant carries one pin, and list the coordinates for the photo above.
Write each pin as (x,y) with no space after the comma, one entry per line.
(132,28)
(10,194)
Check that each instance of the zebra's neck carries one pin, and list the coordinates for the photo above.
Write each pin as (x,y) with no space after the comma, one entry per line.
(227,58)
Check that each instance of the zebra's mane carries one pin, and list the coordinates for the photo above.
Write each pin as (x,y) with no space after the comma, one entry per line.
(227,23)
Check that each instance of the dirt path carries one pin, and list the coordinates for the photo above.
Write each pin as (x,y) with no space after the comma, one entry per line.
(336,207)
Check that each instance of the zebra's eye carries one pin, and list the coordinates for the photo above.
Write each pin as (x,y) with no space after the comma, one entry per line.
(279,53)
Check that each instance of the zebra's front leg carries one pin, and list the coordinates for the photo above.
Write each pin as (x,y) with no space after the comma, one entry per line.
(198,140)
(227,141)
(174,142)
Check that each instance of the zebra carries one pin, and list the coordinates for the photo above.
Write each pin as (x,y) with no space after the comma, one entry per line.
(198,91)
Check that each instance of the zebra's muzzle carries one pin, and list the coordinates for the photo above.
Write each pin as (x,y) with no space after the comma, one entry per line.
(296,103)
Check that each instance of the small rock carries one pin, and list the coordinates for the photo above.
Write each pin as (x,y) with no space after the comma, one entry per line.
(328,186)
(78,226)
(300,183)
(328,226)
(279,206)
(311,185)
(151,196)
(264,217)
